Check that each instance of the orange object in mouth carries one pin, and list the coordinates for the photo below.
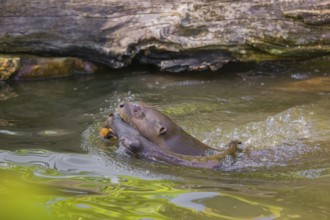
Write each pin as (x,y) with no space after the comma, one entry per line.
(106,133)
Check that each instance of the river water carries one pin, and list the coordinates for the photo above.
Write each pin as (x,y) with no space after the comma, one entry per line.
(53,165)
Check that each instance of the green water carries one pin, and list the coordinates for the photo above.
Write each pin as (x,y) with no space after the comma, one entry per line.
(53,165)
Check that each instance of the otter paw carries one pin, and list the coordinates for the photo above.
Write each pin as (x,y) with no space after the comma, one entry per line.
(132,146)
(233,148)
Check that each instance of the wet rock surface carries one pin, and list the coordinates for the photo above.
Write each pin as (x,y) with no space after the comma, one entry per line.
(32,67)
(174,35)
(8,66)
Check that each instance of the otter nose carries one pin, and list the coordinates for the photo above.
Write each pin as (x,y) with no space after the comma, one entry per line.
(121,104)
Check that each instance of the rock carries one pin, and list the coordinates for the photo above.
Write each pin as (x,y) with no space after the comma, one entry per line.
(33,67)
(173,35)
(84,67)
(45,68)
(8,66)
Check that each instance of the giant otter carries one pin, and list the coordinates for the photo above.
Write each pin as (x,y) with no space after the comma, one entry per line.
(160,129)
(144,131)
(137,145)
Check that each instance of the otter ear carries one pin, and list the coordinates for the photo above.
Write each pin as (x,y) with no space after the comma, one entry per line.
(161,129)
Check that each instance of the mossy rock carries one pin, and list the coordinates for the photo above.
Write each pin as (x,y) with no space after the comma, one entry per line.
(8,66)
(36,68)
(43,68)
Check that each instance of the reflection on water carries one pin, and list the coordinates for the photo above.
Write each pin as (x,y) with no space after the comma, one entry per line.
(54,165)
(82,187)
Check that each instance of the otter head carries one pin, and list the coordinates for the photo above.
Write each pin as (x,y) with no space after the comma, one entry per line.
(151,123)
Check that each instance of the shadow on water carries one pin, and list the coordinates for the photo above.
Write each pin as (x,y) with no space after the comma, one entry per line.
(54,165)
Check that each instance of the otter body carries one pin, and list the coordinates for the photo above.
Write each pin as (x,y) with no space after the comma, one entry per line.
(136,144)
(143,131)
(160,129)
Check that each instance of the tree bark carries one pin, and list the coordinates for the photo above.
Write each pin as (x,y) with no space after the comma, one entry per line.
(175,35)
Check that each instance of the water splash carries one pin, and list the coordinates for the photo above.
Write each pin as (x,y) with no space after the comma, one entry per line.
(287,126)
(282,140)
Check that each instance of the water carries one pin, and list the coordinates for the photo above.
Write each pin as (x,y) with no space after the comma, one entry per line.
(53,165)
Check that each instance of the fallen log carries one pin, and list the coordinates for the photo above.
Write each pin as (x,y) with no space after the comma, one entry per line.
(176,35)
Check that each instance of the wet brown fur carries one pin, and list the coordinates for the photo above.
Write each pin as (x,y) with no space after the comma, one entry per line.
(160,129)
